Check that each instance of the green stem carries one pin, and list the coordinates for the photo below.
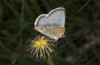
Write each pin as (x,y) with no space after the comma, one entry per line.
(50,61)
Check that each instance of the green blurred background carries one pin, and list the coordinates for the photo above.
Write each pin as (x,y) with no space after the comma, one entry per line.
(82,31)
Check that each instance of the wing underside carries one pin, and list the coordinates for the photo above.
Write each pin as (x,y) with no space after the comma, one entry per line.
(55,17)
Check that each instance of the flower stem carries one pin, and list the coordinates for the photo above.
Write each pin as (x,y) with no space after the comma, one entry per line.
(50,61)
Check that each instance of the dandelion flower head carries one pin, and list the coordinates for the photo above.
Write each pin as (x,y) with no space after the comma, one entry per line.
(41,47)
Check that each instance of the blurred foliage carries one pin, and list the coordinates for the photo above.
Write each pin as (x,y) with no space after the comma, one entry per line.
(82,31)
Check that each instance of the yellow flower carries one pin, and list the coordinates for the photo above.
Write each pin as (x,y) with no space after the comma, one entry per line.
(41,47)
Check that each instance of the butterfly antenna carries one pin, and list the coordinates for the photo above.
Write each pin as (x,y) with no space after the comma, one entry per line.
(67,42)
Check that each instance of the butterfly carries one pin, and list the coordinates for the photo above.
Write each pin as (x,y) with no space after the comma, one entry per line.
(52,24)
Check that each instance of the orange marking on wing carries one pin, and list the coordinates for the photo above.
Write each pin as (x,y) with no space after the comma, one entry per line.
(56,30)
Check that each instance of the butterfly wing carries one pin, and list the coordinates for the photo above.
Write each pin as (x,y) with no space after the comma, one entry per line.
(41,20)
(55,17)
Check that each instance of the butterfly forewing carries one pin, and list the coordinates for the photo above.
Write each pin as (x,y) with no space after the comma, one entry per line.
(41,20)
(55,17)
